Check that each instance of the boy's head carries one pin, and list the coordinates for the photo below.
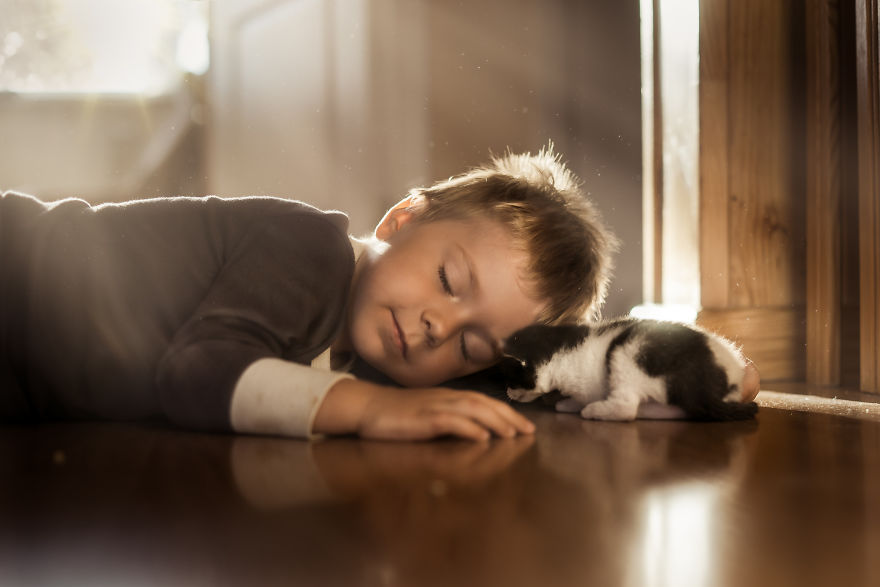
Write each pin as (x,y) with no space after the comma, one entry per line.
(538,200)
(472,259)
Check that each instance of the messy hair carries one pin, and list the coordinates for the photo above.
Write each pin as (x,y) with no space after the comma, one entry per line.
(541,204)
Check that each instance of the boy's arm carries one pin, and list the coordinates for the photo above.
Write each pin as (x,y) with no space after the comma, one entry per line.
(389,413)
(279,292)
(274,396)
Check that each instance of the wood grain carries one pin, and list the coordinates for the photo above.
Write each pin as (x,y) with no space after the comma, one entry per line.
(773,338)
(868,98)
(788,499)
(714,180)
(766,214)
(752,219)
(823,193)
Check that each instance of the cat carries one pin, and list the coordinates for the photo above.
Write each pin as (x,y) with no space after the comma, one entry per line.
(626,368)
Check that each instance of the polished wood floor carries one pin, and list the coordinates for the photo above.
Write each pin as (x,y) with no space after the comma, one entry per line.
(792,498)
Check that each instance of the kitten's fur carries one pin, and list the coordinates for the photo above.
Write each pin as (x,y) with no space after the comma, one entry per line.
(627,368)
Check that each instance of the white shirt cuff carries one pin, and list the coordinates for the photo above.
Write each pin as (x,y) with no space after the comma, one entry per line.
(280,397)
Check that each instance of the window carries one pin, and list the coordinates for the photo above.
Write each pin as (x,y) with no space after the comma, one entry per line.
(101,46)
(670,116)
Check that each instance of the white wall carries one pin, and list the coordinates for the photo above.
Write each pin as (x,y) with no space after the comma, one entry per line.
(318,100)
(99,149)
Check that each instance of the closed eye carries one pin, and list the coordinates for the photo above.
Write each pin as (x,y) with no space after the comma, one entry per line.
(444,280)
(464,350)
(447,288)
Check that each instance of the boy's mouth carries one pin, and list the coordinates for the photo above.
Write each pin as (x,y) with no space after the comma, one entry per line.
(399,337)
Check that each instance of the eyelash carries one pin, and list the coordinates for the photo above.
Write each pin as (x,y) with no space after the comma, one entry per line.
(464,351)
(444,281)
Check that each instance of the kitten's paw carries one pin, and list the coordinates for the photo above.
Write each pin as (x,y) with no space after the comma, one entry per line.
(609,410)
(569,405)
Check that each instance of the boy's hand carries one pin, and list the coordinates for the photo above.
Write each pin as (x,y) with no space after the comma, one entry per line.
(389,413)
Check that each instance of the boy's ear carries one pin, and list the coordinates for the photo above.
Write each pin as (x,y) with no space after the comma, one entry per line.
(396,218)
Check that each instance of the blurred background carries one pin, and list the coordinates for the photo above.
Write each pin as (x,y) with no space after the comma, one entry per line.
(345,104)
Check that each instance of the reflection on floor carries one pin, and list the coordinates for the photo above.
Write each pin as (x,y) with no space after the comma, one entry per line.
(792,498)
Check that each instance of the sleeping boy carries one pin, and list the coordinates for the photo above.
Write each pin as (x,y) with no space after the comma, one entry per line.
(246,314)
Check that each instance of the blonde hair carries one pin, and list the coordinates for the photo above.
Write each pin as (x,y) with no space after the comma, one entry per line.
(540,202)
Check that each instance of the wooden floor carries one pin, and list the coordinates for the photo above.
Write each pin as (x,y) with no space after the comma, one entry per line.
(790,499)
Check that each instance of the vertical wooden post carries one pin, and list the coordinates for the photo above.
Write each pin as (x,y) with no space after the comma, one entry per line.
(714,140)
(751,201)
(868,98)
(657,163)
(823,304)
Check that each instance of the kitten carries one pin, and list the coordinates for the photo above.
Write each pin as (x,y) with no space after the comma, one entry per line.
(627,368)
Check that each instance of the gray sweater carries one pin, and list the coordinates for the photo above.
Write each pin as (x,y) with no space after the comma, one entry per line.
(155,308)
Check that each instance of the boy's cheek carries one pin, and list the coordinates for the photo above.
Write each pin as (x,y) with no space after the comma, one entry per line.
(421,370)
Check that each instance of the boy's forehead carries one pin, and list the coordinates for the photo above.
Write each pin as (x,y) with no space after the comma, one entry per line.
(474,240)
(485,245)
(485,266)
(494,257)
(472,230)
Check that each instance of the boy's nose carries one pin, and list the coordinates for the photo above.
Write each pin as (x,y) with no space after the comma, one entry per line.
(441,325)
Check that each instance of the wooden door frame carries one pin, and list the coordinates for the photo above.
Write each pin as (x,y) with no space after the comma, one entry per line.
(823,192)
(868,98)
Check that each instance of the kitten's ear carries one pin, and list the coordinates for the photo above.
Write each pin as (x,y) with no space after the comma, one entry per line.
(509,350)
(506,356)
(512,369)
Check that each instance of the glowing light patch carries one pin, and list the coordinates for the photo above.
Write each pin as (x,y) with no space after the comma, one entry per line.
(102,46)
(677,536)
(672,312)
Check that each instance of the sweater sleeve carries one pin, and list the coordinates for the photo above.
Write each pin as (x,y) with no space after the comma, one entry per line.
(280,397)
(280,294)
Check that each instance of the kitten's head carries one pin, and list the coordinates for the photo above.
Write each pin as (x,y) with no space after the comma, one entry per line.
(526,350)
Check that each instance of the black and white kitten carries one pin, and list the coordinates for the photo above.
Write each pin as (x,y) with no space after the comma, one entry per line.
(626,368)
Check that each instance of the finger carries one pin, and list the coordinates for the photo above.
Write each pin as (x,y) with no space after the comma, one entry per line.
(522,424)
(426,427)
(476,408)
(489,413)
(446,423)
